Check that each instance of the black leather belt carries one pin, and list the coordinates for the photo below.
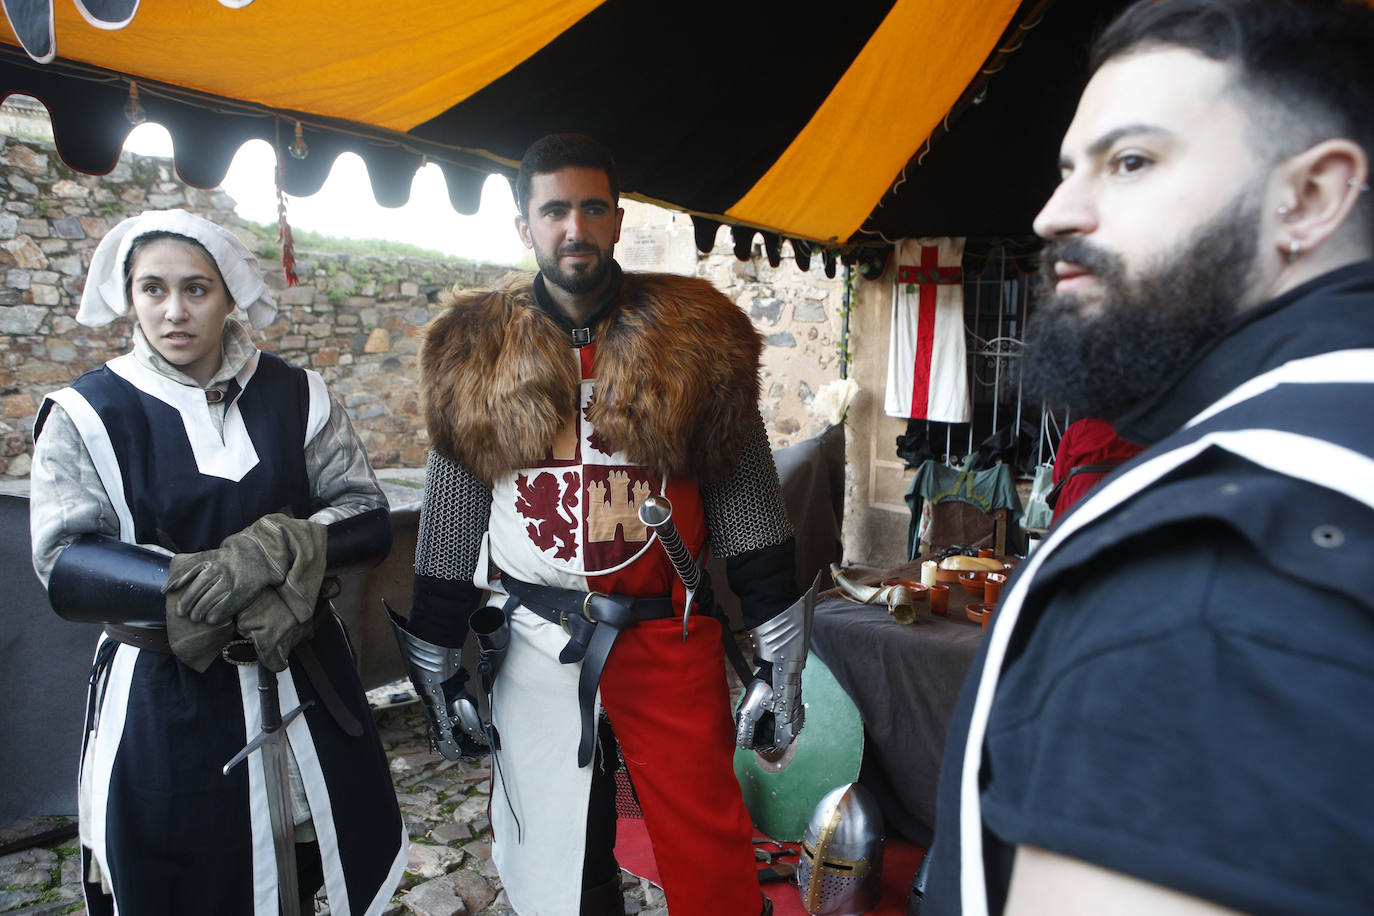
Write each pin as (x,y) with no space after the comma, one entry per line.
(154,639)
(592,621)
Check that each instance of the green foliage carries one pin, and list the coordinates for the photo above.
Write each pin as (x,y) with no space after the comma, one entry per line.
(337,297)
(307,240)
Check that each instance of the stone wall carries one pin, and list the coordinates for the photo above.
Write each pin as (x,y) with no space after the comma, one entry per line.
(356,320)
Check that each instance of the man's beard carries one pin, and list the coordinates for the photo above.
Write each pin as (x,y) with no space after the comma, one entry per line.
(575,282)
(1146,329)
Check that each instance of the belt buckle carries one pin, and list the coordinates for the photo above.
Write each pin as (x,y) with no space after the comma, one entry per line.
(586,612)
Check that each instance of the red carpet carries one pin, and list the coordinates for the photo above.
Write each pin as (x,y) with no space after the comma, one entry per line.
(900,858)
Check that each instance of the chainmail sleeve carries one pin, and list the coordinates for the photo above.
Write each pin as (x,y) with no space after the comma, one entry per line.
(749,529)
(453,518)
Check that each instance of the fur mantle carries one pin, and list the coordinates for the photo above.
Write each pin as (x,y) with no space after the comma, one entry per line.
(677,383)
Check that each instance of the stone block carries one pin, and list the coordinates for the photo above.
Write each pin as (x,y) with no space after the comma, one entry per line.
(21,319)
(25,253)
(326,356)
(13,898)
(780,339)
(23,186)
(410,289)
(428,862)
(472,889)
(16,278)
(59,351)
(9,225)
(69,227)
(435,898)
(44,294)
(70,190)
(379,341)
(26,158)
(69,265)
(768,310)
(95,227)
(303,294)
(166,201)
(448,834)
(293,342)
(15,406)
(319,330)
(811,310)
(35,228)
(343,281)
(20,466)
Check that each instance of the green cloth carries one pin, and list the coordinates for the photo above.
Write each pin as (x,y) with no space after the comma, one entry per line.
(989,490)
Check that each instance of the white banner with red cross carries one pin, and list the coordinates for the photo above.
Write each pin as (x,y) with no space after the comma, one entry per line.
(927,368)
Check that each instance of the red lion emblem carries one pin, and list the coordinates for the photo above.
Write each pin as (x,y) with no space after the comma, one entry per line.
(552,522)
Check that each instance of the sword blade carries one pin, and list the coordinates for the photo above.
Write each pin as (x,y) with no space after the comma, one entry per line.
(271,745)
(275,775)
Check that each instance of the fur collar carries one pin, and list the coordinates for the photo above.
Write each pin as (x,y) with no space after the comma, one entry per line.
(677,382)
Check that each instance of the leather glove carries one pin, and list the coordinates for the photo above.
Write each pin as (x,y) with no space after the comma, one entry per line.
(275,628)
(213,585)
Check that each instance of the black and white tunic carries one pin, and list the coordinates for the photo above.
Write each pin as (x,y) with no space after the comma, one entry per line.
(161,826)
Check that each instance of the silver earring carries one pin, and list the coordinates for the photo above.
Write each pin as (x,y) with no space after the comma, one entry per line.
(1294,246)
(1282,210)
(1356,183)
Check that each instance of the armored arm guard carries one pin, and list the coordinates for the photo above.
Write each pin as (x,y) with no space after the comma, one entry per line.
(358,542)
(771,713)
(444,599)
(100,579)
(455,726)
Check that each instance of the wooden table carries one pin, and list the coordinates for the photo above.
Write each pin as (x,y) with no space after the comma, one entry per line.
(905,680)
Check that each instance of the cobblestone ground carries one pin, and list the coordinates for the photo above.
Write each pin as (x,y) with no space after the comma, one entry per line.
(445,808)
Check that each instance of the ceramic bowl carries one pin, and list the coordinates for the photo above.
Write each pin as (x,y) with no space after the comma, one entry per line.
(973,581)
(918,591)
(979,613)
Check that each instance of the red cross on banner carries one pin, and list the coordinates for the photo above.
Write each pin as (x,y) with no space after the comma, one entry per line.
(927,370)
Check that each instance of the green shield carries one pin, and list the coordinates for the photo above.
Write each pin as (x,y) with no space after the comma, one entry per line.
(782,794)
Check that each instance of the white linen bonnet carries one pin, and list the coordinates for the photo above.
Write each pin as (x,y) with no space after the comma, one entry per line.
(105,297)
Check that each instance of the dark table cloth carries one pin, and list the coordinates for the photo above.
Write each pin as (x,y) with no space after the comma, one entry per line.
(904,679)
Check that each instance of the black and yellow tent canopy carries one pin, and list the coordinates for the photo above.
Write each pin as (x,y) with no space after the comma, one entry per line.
(833,125)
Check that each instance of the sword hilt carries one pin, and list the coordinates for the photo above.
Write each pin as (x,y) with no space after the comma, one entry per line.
(656,512)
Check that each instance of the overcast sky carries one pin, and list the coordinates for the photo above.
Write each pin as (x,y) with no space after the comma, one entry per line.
(345,207)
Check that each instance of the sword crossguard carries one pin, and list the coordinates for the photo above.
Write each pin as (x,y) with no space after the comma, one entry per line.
(265,736)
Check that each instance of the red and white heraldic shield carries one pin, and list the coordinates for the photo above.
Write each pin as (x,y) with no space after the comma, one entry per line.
(573,519)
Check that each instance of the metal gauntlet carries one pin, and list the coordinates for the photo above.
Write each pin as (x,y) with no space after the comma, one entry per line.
(455,727)
(771,713)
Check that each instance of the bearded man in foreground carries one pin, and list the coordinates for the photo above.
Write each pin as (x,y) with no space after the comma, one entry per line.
(1169,712)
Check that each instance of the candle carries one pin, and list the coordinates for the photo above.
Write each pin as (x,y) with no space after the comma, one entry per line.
(928,573)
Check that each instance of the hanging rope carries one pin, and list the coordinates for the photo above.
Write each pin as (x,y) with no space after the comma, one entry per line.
(288,245)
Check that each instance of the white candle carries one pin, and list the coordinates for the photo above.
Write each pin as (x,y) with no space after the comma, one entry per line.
(928,573)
